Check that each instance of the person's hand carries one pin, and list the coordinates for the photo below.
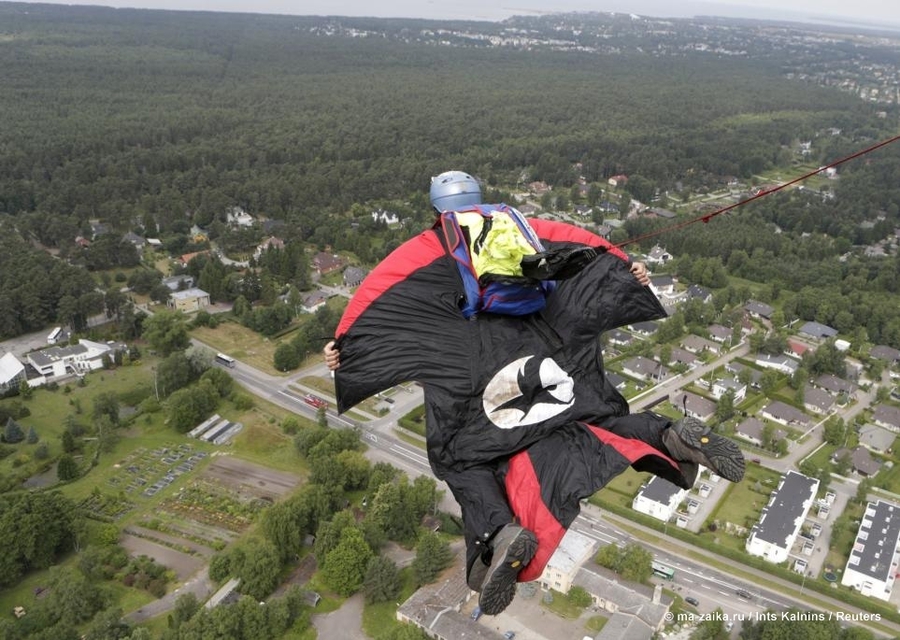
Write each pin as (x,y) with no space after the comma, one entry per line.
(639,270)
(332,356)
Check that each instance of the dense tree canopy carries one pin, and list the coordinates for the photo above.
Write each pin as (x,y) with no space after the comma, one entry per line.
(35,528)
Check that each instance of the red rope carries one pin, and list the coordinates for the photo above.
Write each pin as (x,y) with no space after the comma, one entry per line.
(709,216)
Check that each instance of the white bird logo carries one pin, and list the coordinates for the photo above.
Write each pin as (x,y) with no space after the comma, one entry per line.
(528,391)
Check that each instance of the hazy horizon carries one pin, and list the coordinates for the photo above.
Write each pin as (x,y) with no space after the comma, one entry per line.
(869,13)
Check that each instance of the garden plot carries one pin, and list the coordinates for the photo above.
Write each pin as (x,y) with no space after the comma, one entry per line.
(207,512)
(213,507)
(148,472)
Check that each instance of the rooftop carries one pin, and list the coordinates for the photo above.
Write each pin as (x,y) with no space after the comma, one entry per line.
(781,518)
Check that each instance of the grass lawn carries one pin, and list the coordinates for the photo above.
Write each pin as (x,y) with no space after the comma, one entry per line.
(821,459)
(889,479)
(262,440)
(842,542)
(666,409)
(595,624)
(624,487)
(240,342)
(308,633)
(381,617)
(49,410)
(562,607)
(744,501)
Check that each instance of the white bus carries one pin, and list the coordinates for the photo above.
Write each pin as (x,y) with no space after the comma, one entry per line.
(228,361)
(54,335)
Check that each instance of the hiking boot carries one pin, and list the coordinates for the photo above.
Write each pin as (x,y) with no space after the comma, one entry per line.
(689,471)
(513,547)
(690,440)
(476,575)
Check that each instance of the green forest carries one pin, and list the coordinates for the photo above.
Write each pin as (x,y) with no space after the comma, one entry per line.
(153,122)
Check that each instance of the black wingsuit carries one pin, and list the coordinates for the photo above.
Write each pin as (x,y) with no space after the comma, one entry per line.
(522,422)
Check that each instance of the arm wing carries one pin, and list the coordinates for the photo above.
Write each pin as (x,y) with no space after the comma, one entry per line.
(403,324)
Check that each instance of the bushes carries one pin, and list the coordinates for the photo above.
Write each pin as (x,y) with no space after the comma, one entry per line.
(144,573)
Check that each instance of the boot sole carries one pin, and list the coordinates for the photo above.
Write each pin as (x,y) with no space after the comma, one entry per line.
(723,454)
(499,587)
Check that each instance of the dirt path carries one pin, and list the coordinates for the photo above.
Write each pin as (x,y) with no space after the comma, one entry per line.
(157,536)
(183,564)
(251,478)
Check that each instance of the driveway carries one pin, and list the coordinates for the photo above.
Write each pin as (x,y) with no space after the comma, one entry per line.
(342,624)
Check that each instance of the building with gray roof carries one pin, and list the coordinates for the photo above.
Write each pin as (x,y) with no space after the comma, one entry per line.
(683,357)
(817,400)
(888,354)
(817,330)
(353,276)
(723,385)
(887,416)
(861,461)
(644,328)
(781,363)
(759,309)
(871,567)
(435,608)
(644,368)
(719,333)
(188,300)
(658,499)
(692,404)
(610,593)
(835,385)
(751,429)
(779,523)
(619,337)
(876,439)
(573,551)
(696,344)
(785,414)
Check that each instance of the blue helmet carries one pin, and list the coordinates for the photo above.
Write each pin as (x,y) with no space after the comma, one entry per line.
(454,190)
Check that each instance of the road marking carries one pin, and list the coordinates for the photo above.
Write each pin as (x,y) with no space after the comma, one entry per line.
(412,456)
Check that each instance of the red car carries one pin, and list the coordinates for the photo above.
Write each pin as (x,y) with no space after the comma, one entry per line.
(315,401)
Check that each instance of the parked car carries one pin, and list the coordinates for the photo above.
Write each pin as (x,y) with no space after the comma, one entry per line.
(476,613)
(692,600)
(509,635)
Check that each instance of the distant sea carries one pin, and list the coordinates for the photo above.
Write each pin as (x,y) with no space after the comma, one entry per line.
(488,11)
